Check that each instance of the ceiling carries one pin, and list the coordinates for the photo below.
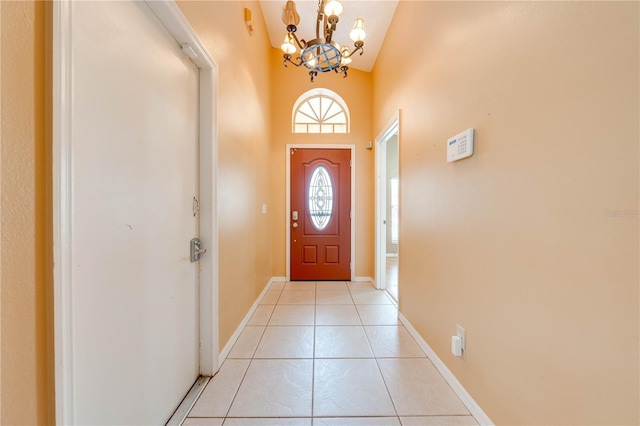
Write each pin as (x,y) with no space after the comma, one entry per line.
(377,15)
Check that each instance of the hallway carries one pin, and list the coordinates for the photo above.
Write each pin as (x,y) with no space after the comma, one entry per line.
(392,276)
(327,353)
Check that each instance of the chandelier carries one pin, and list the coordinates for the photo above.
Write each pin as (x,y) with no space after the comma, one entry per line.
(321,54)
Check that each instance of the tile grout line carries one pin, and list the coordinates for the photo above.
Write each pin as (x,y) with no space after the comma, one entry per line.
(313,360)
(252,355)
(235,395)
(386,386)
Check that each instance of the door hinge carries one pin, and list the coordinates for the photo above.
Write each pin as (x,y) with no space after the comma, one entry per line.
(350,163)
(350,267)
(196,206)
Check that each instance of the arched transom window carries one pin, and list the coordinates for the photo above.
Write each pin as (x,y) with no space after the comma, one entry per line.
(320,111)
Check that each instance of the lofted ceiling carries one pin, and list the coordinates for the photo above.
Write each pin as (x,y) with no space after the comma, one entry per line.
(377,15)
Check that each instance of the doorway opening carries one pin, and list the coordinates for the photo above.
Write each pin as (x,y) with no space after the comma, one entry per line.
(388,207)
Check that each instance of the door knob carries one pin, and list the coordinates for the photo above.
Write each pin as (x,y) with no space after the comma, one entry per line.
(295,224)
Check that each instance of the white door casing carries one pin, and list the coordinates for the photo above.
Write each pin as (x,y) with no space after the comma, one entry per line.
(172,18)
(392,128)
(126,298)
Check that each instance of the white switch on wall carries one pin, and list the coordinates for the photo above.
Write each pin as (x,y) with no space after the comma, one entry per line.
(456,345)
(264,209)
(458,341)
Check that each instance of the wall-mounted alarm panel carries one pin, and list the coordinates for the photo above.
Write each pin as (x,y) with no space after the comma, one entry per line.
(460,146)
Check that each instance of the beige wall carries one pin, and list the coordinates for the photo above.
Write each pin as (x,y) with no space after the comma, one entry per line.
(287,84)
(243,146)
(517,243)
(27,351)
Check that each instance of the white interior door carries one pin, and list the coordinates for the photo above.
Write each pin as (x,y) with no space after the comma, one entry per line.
(134,143)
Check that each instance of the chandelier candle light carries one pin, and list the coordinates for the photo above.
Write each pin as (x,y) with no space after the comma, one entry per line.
(321,54)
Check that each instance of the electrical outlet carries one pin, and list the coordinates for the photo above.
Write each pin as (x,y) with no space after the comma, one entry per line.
(461,334)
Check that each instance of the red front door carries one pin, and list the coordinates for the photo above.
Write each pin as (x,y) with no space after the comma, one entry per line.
(320,214)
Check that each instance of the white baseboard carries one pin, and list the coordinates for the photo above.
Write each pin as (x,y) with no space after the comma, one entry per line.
(473,407)
(232,341)
(364,279)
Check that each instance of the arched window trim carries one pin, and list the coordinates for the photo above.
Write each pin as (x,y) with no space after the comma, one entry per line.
(324,93)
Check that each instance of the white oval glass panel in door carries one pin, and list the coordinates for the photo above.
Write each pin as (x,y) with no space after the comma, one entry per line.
(320,198)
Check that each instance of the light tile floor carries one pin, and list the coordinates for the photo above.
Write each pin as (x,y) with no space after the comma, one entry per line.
(392,276)
(327,353)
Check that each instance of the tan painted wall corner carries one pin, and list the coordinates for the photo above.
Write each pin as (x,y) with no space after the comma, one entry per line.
(26,270)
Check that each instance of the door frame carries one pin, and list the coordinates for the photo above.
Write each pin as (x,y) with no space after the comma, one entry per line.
(172,18)
(392,128)
(350,147)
